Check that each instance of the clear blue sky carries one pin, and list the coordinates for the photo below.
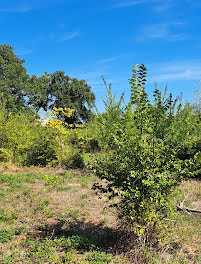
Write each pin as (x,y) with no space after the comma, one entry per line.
(88,38)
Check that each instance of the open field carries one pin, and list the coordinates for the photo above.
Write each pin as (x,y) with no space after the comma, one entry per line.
(53,216)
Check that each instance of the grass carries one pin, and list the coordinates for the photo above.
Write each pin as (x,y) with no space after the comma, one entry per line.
(53,216)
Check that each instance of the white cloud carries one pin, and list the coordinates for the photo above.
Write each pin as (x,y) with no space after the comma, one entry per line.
(167,31)
(175,71)
(69,36)
(182,75)
(158,5)
(93,78)
(108,60)
(128,3)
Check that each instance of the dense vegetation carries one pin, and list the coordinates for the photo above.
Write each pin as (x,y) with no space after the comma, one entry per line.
(18,90)
(141,150)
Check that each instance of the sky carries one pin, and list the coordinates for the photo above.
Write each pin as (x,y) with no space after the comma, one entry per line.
(90,38)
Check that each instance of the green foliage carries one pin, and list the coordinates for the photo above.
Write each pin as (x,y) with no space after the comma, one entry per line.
(15,180)
(141,164)
(108,123)
(13,80)
(59,90)
(7,216)
(6,235)
(24,141)
(197,99)
(52,180)
(97,257)
(79,243)
(185,134)
(19,91)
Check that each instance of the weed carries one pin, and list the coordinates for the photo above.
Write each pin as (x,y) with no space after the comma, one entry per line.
(105,221)
(84,181)
(79,243)
(41,204)
(52,180)
(68,176)
(84,196)
(6,235)
(15,181)
(97,257)
(6,216)
(26,191)
(69,256)
(2,195)
(48,213)
(63,188)
(73,213)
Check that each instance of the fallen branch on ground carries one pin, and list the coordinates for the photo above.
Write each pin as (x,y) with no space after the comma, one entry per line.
(181,207)
(188,209)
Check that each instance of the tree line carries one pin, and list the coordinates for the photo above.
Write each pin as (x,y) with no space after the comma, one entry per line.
(21,92)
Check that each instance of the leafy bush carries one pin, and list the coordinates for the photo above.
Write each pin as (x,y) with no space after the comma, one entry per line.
(24,141)
(141,164)
(27,142)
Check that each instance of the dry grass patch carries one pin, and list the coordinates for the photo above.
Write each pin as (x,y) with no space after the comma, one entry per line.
(55,215)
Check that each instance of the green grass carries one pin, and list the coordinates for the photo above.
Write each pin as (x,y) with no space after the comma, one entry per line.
(15,181)
(8,234)
(84,196)
(7,216)
(97,257)
(68,176)
(63,188)
(51,218)
(73,213)
(46,251)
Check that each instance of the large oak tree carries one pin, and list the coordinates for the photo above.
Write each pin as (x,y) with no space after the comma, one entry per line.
(18,90)
(14,80)
(60,90)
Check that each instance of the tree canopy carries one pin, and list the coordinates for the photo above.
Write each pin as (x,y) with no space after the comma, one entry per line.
(18,90)
(13,80)
(60,90)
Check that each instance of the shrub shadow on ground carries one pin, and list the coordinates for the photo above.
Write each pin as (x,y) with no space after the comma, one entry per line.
(93,235)
(87,236)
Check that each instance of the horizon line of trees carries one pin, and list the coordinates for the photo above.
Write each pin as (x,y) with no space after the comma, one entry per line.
(21,92)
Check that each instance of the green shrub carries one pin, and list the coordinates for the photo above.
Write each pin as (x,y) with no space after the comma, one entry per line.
(141,164)
(24,141)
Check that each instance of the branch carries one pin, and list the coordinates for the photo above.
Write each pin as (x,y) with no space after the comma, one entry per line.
(180,208)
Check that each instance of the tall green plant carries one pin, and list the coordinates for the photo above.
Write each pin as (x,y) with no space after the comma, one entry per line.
(109,121)
(141,166)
